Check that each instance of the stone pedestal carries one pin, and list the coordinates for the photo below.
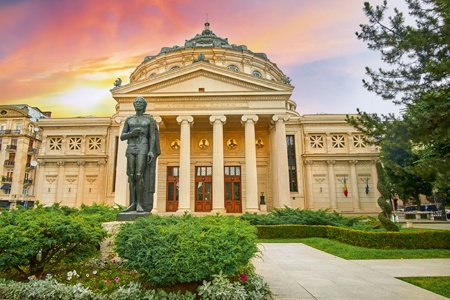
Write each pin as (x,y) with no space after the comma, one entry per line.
(263,207)
(132,215)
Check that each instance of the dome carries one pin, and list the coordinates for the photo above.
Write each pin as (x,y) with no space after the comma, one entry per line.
(213,49)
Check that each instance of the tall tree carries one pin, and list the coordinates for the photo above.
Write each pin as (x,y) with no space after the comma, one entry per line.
(416,54)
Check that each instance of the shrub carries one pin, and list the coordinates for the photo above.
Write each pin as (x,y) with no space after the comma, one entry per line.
(34,240)
(169,250)
(438,239)
(301,217)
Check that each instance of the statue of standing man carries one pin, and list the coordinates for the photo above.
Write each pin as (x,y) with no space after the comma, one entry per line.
(141,133)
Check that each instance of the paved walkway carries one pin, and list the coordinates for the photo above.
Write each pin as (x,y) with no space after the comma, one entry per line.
(297,271)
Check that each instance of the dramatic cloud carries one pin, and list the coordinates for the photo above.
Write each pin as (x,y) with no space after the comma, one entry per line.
(63,53)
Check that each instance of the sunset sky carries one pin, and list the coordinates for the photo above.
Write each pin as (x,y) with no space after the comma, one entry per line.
(64,55)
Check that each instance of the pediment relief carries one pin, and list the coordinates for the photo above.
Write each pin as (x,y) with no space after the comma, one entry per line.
(198,76)
(12,112)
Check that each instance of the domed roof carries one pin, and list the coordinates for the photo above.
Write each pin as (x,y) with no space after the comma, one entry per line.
(207,39)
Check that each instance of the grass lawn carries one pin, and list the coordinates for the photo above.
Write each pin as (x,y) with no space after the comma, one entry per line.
(354,253)
(438,285)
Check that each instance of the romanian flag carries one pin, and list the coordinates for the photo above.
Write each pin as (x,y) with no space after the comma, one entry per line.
(367,187)
(345,188)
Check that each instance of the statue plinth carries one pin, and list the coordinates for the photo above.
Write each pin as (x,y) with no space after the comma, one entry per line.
(131,215)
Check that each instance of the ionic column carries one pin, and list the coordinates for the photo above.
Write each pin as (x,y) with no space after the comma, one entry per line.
(101,181)
(80,183)
(218,172)
(121,196)
(185,122)
(280,169)
(309,189)
(60,186)
(158,120)
(251,177)
(355,192)
(39,180)
(332,184)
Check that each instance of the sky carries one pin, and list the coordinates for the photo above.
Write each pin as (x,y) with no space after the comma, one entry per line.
(64,55)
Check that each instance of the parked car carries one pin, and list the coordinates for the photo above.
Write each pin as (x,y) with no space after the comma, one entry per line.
(410,208)
(428,207)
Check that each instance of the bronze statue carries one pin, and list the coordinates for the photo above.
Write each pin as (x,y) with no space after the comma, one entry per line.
(141,133)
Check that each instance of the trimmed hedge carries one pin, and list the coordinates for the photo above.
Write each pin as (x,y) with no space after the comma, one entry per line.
(439,239)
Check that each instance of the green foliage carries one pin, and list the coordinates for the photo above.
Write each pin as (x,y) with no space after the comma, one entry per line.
(291,231)
(169,250)
(436,239)
(251,287)
(34,240)
(416,145)
(221,288)
(301,217)
(350,252)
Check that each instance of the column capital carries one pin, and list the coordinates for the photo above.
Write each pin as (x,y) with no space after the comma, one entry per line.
(248,118)
(158,119)
(188,119)
(331,162)
(213,119)
(308,162)
(353,162)
(282,118)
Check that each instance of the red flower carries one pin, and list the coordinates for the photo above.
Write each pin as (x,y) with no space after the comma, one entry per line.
(243,278)
(117,279)
(108,281)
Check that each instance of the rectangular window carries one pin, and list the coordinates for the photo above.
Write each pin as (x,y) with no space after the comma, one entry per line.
(292,163)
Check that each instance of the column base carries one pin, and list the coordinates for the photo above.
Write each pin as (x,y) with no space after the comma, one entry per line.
(219,211)
(253,210)
(181,211)
(154,211)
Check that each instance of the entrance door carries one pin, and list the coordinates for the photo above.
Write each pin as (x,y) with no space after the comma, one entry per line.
(173,174)
(203,189)
(233,202)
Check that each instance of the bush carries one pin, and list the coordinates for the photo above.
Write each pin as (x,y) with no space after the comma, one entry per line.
(252,287)
(169,250)
(301,217)
(438,239)
(32,241)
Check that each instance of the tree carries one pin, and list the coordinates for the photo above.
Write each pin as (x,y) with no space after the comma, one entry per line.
(386,214)
(34,240)
(416,53)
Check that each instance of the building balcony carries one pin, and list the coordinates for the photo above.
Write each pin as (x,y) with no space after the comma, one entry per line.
(27,182)
(7,132)
(11,148)
(9,163)
(29,167)
(6,179)
(32,150)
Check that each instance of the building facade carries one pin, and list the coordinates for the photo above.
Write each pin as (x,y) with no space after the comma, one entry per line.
(231,139)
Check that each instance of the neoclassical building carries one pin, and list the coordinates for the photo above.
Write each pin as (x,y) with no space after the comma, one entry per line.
(231,140)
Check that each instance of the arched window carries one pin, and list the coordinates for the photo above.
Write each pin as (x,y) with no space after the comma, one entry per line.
(233,67)
(174,68)
(257,73)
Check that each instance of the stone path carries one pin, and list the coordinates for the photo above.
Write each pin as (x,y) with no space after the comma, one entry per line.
(297,271)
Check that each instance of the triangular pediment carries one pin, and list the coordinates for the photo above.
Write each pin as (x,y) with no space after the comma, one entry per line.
(9,111)
(202,77)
